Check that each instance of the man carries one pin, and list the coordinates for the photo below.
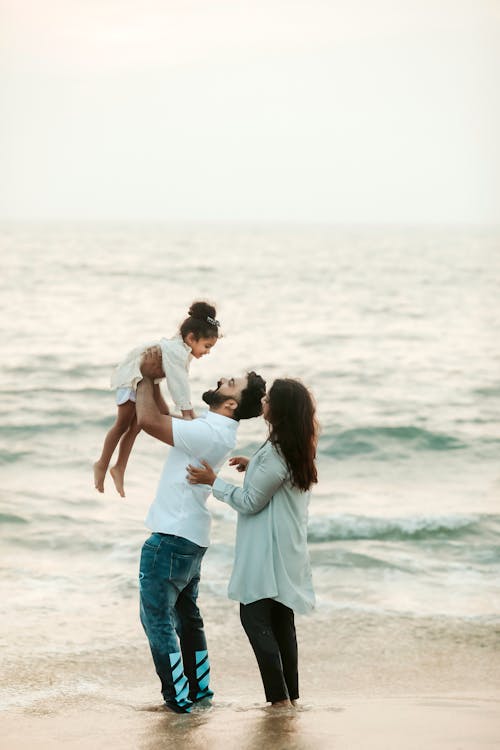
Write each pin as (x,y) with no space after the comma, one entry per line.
(171,557)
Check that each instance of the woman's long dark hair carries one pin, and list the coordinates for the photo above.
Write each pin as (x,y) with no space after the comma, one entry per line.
(294,429)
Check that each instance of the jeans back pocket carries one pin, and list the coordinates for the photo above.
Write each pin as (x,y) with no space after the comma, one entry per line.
(182,568)
(154,541)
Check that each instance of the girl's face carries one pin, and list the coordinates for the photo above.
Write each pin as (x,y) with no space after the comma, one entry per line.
(201,346)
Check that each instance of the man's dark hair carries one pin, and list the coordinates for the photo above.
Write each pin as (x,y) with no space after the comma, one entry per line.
(250,400)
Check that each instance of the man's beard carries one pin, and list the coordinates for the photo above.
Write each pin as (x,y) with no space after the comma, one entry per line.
(214,398)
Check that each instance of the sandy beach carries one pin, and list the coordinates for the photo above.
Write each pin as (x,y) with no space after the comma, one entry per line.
(388,683)
(432,722)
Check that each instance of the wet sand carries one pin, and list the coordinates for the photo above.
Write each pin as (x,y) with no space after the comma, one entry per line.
(366,682)
(431,722)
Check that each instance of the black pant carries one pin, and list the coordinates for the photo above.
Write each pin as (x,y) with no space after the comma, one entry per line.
(270,628)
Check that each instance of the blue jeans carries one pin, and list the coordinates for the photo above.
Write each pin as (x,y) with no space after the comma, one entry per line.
(168,580)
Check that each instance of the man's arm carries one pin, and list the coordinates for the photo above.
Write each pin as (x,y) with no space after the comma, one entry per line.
(149,417)
(160,401)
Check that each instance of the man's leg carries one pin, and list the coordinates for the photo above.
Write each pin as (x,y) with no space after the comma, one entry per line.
(193,642)
(284,630)
(160,567)
(256,619)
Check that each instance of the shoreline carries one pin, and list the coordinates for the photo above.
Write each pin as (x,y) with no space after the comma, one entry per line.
(375,682)
(436,722)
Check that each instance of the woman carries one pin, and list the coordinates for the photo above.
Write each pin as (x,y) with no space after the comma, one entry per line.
(271,576)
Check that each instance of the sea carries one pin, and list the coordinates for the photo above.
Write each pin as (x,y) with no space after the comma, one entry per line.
(395,330)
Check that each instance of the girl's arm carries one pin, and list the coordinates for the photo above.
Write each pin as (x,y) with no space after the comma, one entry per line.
(188,414)
(176,374)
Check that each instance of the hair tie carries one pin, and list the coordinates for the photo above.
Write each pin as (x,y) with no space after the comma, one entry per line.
(213,322)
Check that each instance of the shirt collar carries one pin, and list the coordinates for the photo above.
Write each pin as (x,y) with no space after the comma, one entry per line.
(214,417)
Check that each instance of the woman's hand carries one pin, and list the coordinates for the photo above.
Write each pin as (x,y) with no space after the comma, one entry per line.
(241,462)
(197,475)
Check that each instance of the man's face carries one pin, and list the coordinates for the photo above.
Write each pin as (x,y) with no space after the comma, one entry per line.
(226,388)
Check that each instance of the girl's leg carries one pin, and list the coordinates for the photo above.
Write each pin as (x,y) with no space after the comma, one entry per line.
(284,630)
(126,445)
(126,413)
(256,619)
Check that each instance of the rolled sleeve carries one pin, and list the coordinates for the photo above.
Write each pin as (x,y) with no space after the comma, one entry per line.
(191,436)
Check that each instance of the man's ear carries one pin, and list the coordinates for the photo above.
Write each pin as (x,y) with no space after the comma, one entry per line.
(232,403)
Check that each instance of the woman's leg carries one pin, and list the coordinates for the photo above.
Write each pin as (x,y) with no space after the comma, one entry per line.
(256,619)
(126,413)
(126,445)
(284,630)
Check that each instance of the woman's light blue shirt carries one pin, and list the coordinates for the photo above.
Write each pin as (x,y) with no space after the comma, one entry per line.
(271,555)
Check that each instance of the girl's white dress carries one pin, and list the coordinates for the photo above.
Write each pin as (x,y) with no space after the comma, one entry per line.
(176,358)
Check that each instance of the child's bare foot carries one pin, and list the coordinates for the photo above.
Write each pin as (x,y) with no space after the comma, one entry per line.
(118,478)
(99,474)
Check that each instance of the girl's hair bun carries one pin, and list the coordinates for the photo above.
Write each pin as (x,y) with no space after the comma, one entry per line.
(202,311)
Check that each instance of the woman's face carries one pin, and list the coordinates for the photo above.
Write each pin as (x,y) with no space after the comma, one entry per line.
(265,407)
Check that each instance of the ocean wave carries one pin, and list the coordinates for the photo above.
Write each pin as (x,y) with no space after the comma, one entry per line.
(73,540)
(343,558)
(11,456)
(411,528)
(58,368)
(12,518)
(42,390)
(379,439)
(72,422)
(488,391)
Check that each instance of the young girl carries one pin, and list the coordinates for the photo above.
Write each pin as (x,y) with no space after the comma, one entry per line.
(197,335)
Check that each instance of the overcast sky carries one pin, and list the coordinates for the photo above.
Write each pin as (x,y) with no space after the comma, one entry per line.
(276,110)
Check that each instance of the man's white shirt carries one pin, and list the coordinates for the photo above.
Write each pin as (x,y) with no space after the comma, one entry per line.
(180,508)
